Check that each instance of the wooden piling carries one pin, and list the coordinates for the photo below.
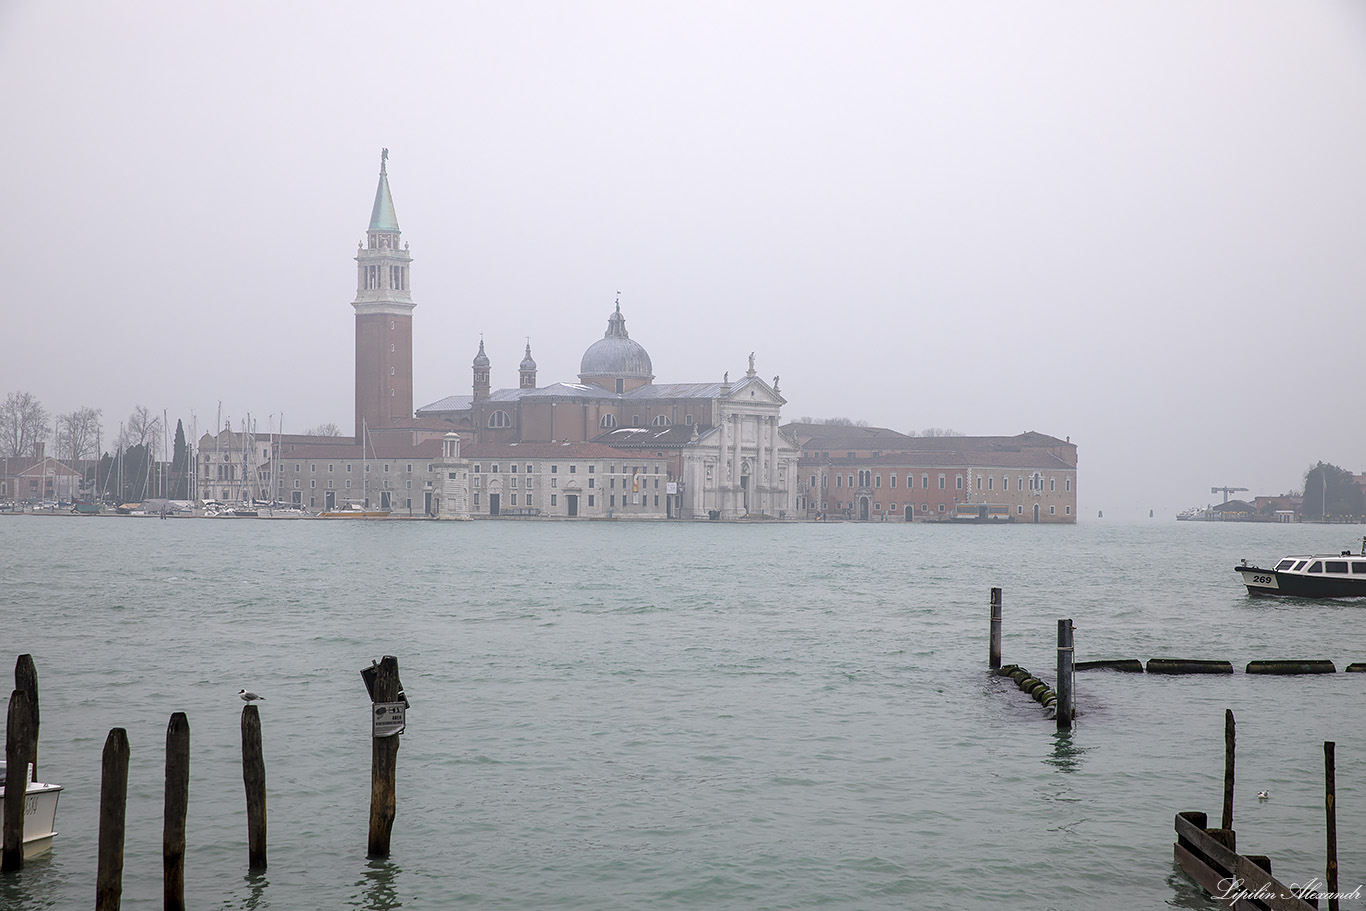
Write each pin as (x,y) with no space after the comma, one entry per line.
(1228,769)
(177,802)
(1330,803)
(383,764)
(18,746)
(994,658)
(113,804)
(26,679)
(1067,709)
(254,778)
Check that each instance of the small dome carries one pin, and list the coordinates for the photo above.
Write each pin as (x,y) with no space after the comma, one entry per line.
(527,362)
(615,354)
(481,359)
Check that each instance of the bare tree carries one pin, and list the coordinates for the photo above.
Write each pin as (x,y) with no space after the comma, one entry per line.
(142,427)
(78,434)
(324,430)
(23,424)
(937,432)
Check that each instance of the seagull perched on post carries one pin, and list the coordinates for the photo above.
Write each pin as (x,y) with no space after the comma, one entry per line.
(249,697)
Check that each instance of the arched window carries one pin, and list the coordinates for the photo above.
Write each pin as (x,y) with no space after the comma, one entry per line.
(499,419)
(661,420)
(608,420)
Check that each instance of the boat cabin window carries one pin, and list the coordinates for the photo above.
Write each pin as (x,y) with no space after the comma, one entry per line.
(1358,568)
(1285,564)
(1299,566)
(1315,567)
(1335,566)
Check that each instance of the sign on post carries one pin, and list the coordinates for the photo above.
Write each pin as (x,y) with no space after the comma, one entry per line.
(387,719)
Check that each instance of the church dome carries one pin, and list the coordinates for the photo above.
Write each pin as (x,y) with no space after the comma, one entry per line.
(481,359)
(615,354)
(527,362)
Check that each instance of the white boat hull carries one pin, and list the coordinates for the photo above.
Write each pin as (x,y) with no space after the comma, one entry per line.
(40,816)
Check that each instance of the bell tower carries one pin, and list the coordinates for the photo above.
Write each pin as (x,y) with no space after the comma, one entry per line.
(384,317)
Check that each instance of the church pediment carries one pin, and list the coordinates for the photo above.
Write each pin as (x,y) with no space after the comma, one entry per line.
(753,391)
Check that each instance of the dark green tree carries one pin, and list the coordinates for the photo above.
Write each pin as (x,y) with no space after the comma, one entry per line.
(180,465)
(1331,492)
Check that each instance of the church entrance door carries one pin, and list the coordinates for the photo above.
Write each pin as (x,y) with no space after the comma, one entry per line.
(573,502)
(493,504)
(1036,513)
(863,508)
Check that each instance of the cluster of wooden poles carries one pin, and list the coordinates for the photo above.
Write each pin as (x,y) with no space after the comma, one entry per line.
(21,749)
(1062,702)
(1210,856)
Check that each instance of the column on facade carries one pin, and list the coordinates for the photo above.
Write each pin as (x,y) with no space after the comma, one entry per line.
(737,492)
(722,460)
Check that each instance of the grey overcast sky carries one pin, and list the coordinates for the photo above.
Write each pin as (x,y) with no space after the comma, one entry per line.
(1141,225)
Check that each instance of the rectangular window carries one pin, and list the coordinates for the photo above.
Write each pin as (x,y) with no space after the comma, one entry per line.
(528,484)
(958,482)
(554,500)
(573,469)
(1051,482)
(554,469)
(877,481)
(590,499)
(1067,484)
(592,468)
(839,480)
(476,500)
(612,501)
(892,481)
(554,482)
(941,482)
(514,499)
(1052,510)
(329,467)
(590,481)
(991,484)
(924,482)
(611,482)
(1067,510)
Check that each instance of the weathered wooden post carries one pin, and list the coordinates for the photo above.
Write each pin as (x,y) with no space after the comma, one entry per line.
(177,802)
(113,804)
(18,742)
(1228,769)
(386,692)
(254,777)
(26,679)
(1066,676)
(1330,803)
(994,659)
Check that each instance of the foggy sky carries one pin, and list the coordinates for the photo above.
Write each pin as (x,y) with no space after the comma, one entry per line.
(1138,225)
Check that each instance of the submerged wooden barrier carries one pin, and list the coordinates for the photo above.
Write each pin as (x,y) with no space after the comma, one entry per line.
(1125,665)
(1188,666)
(1037,689)
(1291,666)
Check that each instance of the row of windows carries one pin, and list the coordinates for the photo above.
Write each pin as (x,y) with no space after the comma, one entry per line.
(501,420)
(925,507)
(868,479)
(573,469)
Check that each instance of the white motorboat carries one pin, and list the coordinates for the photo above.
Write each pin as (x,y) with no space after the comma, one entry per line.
(40,812)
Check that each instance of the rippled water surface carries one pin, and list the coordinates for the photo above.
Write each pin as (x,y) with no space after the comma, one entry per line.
(624,716)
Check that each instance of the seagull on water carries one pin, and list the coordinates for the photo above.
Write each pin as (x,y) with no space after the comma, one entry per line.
(249,697)
(1263,795)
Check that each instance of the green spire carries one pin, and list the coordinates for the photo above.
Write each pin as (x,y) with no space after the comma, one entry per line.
(382,217)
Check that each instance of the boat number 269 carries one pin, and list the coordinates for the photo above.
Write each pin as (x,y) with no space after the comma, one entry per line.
(1262,580)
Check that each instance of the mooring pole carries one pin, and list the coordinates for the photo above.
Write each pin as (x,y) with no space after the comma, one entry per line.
(26,679)
(18,739)
(254,778)
(113,804)
(994,659)
(1330,803)
(383,763)
(1066,676)
(177,802)
(1228,769)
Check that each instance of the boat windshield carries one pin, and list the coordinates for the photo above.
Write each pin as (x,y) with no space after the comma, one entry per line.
(1315,567)
(1300,565)
(1285,564)
(1335,566)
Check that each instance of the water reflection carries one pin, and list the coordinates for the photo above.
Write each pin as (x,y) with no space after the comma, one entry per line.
(377,886)
(256,890)
(1066,755)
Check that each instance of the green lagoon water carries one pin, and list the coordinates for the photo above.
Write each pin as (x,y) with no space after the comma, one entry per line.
(628,716)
